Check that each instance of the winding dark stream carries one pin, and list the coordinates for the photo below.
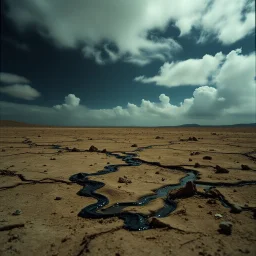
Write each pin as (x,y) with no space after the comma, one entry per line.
(137,221)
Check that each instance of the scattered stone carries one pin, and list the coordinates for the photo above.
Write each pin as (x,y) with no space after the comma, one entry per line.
(234,190)
(195,153)
(3,150)
(93,149)
(235,208)
(200,206)
(134,145)
(157,172)
(225,227)
(63,240)
(17,212)
(181,212)
(218,216)
(104,151)
(52,158)
(207,158)
(156,223)
(124,180)
(58,198)
(187,191)
(245,167)
(158,137)
(221,169)
(13,237)
(211,201)
(39,136)
(197,165)
(192,139)
(189,159)
(213,133)
(163,179)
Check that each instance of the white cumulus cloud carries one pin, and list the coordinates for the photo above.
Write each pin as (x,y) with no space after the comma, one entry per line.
(71,101)
(107,31)
(187,72)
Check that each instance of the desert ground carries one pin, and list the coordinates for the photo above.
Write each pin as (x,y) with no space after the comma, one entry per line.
(39,205)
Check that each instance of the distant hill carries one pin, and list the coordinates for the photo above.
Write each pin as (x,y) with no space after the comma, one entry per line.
(230,125)
(10,123)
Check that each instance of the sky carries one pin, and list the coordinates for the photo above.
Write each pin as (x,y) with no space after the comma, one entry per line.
(128,63)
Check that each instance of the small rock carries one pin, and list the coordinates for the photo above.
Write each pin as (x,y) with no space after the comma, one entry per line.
(200,206)
(235,208)
(195,153)
(245,167)
(197,165)
(58,198)
(17,212)
(104,151)
(157,172)
(189,159)
(187,191)
(63,240)
(3,150)
(218,216)
(163,179)
(124,180)
(211,201)
(93,149)
(13,237)
(192,139)
(225,227)
(52,158)
(214,133)
(207,158)
(134,145)
(221,169)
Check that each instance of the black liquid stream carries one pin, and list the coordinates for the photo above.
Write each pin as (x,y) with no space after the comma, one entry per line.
(135,221)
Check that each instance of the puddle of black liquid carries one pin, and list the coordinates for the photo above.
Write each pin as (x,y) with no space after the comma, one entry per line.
(133,221)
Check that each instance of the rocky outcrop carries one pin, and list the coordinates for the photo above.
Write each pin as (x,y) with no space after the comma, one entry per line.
(187,191)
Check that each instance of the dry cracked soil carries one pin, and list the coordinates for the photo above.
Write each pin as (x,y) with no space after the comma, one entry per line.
(39,205)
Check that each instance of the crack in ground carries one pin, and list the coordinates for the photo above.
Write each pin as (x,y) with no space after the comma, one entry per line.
(87,239)
(28,181)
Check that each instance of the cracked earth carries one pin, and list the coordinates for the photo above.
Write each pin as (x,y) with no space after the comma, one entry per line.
(39,205)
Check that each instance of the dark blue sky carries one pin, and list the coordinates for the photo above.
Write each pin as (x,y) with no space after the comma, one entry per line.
(56,71)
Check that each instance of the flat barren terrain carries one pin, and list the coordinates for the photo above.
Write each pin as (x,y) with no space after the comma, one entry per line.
(125,195)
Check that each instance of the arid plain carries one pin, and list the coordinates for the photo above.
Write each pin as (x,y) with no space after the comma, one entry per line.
(39,205)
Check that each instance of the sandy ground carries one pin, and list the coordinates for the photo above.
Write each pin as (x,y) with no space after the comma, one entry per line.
(52,227)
